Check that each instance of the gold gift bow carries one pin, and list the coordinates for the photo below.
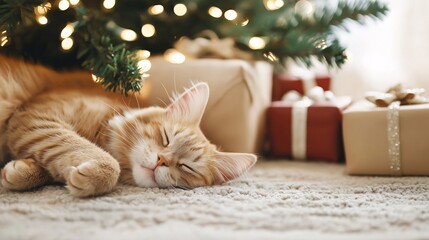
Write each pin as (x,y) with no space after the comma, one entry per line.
(209,45)
(397,93)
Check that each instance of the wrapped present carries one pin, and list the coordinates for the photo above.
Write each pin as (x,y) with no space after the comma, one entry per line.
(283,83)
(391,140)
(306,129)
(240,92)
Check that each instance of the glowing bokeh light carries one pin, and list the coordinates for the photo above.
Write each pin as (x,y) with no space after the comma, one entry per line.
(109,4)
(148,30)
(215,12)
(272,5)
(230,14)
(42,20)
(67,31)
(156,9)
(143,54)
(180,9)
(174,56)
(74,2)
(67,44)
(63,5)
(144,65)
(256,43)
(128,35)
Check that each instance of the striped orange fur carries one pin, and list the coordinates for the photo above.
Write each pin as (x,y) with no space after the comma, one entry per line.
(61,127)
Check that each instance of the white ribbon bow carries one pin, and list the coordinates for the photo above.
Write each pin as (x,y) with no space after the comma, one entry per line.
(315,94)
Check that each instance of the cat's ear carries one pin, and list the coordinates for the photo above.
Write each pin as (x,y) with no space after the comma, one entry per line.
(190,105)
(232,165)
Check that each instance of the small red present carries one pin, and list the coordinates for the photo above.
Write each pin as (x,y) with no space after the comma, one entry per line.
(283,83)
(315,136)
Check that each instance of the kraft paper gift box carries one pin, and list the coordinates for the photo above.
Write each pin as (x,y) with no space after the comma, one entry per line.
(321,138)
(373,148)
(240,93)
(283,83)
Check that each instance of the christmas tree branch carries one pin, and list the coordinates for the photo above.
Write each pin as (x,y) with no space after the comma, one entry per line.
(346,11)
(16,12)
(112,64)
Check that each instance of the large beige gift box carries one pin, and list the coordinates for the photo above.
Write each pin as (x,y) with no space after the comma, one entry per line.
(366,140)
(240,93)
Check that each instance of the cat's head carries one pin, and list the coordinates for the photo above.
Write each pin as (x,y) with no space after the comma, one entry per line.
(166,148)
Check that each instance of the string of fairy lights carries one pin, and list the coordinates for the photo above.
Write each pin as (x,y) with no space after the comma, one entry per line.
(3,38)
(148,30)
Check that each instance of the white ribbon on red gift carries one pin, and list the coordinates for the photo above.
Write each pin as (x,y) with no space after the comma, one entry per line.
(299,128)
(300,106)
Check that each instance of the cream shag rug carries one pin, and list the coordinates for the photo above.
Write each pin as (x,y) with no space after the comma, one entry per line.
(277,200)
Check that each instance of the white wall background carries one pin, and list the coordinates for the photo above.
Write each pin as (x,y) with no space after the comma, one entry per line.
(386,52)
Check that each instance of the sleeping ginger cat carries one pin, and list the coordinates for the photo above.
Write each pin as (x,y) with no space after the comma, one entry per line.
(91,140)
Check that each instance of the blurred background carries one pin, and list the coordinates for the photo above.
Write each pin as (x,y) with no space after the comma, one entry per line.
(382,53)
(69,34)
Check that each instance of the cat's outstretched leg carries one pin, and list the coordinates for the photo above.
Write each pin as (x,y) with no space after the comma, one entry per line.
(86,169)
(23,174)
(92,177)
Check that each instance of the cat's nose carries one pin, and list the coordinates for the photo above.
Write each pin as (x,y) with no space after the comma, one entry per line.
(162,161)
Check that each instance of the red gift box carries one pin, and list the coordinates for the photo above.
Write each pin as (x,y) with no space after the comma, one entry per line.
(323,138)
(283,83)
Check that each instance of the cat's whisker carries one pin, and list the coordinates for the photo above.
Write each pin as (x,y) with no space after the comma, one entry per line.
(113,108)
(137,100)
(120,113)
(165,104)
(174,81)
(165,89)
(125,104)
(126,141)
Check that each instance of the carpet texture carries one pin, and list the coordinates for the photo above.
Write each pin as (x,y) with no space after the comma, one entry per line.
(277,200)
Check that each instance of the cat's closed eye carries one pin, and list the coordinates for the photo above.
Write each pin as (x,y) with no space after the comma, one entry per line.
(165,139)
(187,169)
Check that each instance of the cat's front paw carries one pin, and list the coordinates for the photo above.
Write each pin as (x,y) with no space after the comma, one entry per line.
(93,178)
(23,174)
